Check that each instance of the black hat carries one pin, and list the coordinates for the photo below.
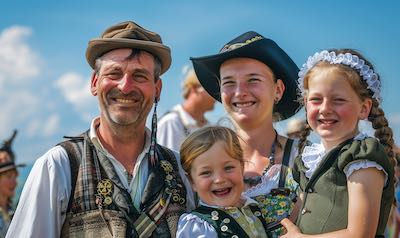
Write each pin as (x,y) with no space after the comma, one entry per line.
(255,46)
(8,163)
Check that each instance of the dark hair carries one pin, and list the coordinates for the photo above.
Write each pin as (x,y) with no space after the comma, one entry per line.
(134,53)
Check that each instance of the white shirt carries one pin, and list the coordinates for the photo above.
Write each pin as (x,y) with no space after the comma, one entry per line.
(44,199)
(170,129)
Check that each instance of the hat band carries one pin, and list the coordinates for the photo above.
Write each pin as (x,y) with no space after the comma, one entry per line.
(229,47)
(7,164)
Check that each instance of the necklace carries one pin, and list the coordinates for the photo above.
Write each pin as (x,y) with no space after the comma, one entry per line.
(252,181)
(271,156)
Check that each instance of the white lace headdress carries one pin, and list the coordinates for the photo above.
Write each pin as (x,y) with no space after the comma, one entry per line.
(366,73)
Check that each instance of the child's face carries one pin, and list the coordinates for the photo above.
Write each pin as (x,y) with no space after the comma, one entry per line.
(217,177)
(334,108)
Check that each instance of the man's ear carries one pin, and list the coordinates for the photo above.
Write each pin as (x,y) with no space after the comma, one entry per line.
(93,84)
(158,89)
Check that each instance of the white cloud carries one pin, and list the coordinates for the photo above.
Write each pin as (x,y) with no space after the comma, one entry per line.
(51,125)
(76,90)
(18,62)
(18,65)
(47,127)
(17,107)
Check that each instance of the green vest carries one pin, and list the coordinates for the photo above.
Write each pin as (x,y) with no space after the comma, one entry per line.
(223,223)
(325,204)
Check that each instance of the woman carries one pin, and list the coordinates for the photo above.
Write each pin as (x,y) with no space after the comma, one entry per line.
(256,82)
(8,183)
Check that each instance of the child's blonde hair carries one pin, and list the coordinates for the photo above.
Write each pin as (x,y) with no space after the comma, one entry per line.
(376,116)
(203,139)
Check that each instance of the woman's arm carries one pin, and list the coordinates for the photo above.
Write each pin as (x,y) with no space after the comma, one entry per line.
(365,187)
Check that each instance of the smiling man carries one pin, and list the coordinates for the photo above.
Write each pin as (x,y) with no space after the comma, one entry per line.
(113,180)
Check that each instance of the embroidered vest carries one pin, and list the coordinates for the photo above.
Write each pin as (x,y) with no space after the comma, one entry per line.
(224,224)
(100,206)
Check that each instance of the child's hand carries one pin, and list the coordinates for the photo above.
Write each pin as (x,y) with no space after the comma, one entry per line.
(292,230)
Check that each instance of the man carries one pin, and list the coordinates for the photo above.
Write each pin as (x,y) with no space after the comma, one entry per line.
(113,180)
(184,118)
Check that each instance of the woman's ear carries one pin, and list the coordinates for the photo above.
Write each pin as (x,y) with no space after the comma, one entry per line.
(279,89)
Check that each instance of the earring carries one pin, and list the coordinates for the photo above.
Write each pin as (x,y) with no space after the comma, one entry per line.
(276,101)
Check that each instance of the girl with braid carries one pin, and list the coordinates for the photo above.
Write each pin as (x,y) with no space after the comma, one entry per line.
(346,181)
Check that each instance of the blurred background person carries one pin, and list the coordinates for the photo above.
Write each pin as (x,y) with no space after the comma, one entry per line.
(182,119)
(8,183)
(295,127)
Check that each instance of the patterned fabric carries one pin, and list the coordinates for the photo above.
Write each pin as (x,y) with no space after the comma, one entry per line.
(98,193)
(234,222)
(275,207)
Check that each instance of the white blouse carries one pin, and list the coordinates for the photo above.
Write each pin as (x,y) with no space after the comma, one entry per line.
(313,155)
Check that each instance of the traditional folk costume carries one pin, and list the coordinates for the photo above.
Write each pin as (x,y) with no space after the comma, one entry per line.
(323,179)
(213,221)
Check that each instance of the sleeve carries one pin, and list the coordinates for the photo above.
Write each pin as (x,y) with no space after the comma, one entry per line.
(190,225)
(44,199)
(169,131)
(368,149)
(363,164)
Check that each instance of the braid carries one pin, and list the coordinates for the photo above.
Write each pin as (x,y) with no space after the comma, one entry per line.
(382,130)
(303,137)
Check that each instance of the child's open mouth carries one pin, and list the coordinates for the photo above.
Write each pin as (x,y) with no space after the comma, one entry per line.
(222,191)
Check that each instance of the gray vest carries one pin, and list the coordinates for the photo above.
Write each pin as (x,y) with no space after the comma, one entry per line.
(100,206)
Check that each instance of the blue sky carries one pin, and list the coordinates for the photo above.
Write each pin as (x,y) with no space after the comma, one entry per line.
(44,76)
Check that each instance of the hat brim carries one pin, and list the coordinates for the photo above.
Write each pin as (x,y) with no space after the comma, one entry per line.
(10,167)
(98,47)
(264,50)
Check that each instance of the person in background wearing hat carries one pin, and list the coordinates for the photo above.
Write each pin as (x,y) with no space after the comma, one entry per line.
(295,127)
(178,123)
(256,82)
(114,180)
(8,183)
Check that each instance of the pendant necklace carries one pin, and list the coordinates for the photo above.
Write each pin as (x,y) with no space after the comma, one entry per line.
(252,181)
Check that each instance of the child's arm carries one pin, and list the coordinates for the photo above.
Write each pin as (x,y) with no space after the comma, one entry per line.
(365,187)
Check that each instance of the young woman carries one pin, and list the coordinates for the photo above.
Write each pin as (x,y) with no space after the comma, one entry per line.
(256,82)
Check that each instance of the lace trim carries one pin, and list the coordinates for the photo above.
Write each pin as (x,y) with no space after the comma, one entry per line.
(313,154)
(363,164)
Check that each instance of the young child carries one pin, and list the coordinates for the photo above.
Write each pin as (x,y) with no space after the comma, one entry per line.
(347,181)
(213,160)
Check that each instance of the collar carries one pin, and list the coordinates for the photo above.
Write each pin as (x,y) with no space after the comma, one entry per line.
(314,153)
(97,143)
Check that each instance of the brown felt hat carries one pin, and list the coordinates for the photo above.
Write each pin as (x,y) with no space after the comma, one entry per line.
(129,35)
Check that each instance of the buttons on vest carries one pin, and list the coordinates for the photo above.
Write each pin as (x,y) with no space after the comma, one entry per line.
(304,211)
